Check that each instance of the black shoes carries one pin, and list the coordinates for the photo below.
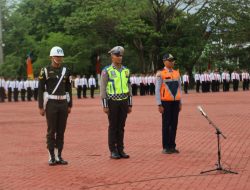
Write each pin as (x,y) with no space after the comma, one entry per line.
(52,162)
(115,155)
(170,151)
(55,157)
(175,151)
(119,154)
(123,155)
(61,161)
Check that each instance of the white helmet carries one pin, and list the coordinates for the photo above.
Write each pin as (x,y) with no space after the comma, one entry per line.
(56,51)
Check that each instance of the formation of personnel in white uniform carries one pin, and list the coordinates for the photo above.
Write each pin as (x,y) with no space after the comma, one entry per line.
(144,83)
(212,81)
(82,84)
(12,88)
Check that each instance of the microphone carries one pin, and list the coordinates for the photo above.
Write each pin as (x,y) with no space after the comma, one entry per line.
(201,110)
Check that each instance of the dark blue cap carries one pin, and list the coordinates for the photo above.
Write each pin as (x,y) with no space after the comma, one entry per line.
(168,56)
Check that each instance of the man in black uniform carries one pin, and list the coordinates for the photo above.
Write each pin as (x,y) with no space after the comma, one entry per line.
(2,89)
(55,79)
(116,94)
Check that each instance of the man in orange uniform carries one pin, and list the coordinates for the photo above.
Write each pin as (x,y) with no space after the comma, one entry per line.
(168,97)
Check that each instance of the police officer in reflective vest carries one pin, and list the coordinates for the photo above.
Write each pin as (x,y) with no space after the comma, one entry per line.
(55,87)
(116,94)
(168,97)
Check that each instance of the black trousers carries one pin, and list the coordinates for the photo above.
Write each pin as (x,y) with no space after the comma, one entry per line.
(217,86)
(2,94)
(84,91)
(213,86)
(224,85)
(244,84)
(203,86)
(142,89)
(56,115)
(227,85)
(15,94)
(208,84)
(186,87)
(169,123)
(134,89)
(35,93)
(152,88)
(147,89)
(23,92)
(92,91)
(79,91)
(9,94)
(29,94)
(235,87)
(198,83)
(118,111)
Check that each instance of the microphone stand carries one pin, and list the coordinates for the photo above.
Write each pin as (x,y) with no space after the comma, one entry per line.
(218,133)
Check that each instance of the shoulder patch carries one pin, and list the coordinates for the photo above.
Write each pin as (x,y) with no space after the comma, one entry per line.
(158,74)
(41,73)
(104,73)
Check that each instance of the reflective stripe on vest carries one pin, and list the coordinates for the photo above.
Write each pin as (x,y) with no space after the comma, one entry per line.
(117,83)
(170,88)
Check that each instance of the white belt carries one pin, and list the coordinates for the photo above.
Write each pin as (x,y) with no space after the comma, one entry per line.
(55,97)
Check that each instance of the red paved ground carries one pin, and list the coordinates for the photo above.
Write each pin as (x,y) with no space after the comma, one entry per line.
(24,157)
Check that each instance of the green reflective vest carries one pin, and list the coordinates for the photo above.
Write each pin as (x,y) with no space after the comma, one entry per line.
(117,82)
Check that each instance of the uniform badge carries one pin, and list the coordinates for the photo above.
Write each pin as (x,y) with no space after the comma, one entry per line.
(113,74)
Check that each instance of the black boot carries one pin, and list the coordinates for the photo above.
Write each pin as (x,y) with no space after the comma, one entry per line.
(59,159)
(52,160)
(115,155)
(123,154)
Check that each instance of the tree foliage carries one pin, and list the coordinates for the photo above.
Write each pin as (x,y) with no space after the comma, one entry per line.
(197,32)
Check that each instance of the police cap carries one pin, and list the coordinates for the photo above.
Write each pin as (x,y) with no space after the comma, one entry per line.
(117,50)
(168,56)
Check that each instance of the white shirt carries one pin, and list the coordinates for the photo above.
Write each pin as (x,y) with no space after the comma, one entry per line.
(248,76)
(233,76)
(150,80)
(29,84)
(77,82)
(7,84)
(212,76)
(14,84)
(202,77)
(206,77)
(35,83)
(92,81)
(22,85)
(84,81)
(227,76)
(132,80)
(197,77)
(185,78)
(2,83)
(218,77)
(138,79)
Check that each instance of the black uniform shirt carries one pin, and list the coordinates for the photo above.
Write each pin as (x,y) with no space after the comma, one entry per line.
(49,84)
